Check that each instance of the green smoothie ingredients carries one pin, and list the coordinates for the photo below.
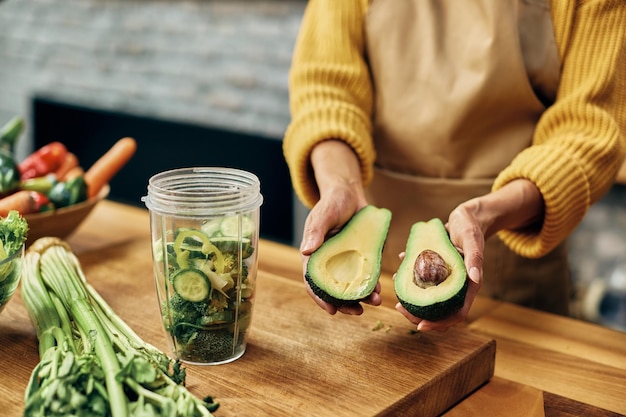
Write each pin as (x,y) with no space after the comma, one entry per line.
(208,291)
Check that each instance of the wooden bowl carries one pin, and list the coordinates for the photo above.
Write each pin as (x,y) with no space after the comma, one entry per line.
(62,222)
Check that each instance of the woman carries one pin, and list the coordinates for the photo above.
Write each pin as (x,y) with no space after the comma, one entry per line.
(504,118)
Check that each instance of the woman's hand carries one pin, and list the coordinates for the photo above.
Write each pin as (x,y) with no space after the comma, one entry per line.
(326,218)
(517,205)
(338,178)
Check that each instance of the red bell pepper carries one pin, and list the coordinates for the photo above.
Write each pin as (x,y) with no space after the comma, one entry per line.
(43,161)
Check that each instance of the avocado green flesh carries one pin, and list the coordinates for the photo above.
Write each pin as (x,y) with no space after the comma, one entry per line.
(341,270)
(345,269)
(438,301)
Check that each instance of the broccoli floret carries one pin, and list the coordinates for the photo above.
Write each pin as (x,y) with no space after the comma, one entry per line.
(13,233)
(218,302)
(183,317)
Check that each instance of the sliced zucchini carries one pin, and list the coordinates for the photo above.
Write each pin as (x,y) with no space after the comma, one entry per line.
(192,285)
(232,225)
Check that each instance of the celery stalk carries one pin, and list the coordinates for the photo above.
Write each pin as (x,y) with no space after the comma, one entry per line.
(91,361)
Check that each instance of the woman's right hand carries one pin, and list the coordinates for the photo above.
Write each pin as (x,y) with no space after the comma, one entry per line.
(338,178)
(326,218)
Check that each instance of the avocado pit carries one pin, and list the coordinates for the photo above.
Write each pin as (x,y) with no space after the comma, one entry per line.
(430,269)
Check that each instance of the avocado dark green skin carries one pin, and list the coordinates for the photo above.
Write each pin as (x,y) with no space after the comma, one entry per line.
(324,296)
(441,310)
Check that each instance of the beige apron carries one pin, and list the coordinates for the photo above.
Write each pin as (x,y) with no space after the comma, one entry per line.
(459,88)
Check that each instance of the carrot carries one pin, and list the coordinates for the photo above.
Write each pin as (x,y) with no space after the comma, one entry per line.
(69,161)
(77,171)
(24,201)
(105,168)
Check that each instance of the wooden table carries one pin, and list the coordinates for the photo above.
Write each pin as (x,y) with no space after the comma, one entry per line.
(555,365)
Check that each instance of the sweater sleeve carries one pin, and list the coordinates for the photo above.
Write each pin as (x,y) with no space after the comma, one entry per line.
(580,141)
(330,90)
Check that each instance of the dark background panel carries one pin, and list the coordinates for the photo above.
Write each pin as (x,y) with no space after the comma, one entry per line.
(163,145)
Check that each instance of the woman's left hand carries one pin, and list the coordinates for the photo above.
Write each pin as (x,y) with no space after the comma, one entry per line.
(518,204)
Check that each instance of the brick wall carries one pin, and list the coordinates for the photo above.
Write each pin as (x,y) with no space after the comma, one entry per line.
(216,63)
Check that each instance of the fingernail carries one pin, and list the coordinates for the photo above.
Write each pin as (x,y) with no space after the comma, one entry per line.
(474,274)
(305,245)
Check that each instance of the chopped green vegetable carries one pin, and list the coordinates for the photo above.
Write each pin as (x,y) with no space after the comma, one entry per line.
(209,310)
(91,362)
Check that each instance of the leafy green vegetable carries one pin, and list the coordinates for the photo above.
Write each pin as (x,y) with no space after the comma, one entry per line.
(13,234)
(91,362)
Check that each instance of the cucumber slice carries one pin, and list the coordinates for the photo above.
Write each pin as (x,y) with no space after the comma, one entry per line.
(230,226)
(212,227)
(192,285)
(228,244)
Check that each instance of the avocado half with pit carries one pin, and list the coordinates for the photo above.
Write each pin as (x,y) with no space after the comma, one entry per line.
(431,281)
(346,267)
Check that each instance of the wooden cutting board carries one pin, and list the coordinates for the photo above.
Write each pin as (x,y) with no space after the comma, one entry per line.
(300,361)
(306,362)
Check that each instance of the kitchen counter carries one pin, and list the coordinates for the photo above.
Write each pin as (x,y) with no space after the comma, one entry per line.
(544,364)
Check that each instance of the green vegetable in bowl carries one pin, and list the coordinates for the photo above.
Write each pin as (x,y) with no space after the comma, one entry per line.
(13,234)
(10,176)
(68,193)
(60,193)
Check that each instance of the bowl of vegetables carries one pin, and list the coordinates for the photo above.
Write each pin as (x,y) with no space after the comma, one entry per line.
(63,221)
(49,187)
(13,233)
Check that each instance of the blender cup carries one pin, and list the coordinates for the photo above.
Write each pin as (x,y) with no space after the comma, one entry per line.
(204,225)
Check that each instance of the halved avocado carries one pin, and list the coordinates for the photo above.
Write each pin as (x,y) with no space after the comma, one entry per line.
(431,281)
(345,269)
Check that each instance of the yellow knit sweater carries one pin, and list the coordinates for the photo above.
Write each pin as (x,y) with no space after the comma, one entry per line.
(579,143)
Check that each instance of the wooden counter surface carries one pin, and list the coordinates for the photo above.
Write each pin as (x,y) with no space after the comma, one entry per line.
(555,365)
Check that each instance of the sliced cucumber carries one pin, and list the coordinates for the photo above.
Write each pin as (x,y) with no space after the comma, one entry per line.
(230,226)
(212,227)
(192,285)
(228,244)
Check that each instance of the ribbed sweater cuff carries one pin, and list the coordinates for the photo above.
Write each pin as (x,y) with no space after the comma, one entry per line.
(305,132)
(565,191)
